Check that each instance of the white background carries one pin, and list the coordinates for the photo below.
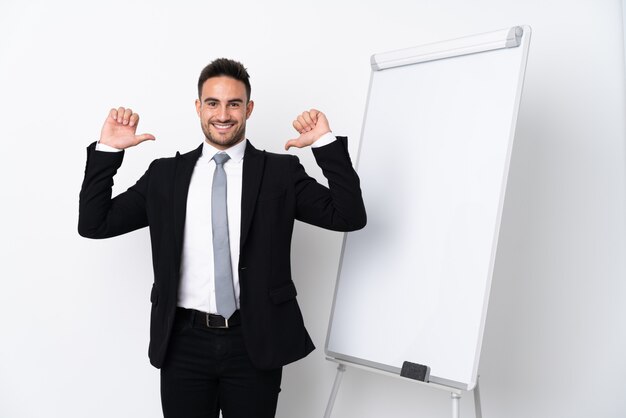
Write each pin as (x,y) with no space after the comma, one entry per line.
(74,312)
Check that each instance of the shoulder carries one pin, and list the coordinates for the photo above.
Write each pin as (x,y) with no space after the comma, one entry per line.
(170,162)
(276,157)
(269,157)
(283,164)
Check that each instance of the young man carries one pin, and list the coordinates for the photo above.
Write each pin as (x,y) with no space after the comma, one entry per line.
(224,313)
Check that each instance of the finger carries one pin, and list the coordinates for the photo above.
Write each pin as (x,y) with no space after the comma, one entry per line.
(307,118)
(144,137)
(113,114)
(303,122)
(120,114)
(127,114)
(314,114)
(134,119)
(298,126)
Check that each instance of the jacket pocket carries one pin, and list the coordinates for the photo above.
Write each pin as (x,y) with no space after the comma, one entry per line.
(283,293)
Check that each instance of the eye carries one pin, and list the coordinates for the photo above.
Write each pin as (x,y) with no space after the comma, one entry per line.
(211,104)
(234,104)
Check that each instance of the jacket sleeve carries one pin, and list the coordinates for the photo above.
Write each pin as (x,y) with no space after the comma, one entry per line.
(339,207)
(99,216)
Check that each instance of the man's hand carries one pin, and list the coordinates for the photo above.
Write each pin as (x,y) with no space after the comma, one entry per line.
(311,125)
(119,129)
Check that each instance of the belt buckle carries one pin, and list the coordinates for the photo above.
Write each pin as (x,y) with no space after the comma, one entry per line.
(208,322)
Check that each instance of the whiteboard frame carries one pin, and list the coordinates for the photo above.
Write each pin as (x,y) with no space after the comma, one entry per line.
(513,37)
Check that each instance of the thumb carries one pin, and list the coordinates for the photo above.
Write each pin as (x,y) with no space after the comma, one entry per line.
(291,143)
(144,137)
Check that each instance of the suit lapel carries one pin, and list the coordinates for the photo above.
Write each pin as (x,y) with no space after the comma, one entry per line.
(253,164)
(184,165)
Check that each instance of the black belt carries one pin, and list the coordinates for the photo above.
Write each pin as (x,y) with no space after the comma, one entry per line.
(207,320)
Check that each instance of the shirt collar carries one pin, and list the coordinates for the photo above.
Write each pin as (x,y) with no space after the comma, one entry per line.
(235,152)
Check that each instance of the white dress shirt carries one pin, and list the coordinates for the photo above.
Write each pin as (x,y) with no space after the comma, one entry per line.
(197,286)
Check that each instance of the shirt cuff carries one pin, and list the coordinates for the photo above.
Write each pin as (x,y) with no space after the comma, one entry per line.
(325,139)
(106,148)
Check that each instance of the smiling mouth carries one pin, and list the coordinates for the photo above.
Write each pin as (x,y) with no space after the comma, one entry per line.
(223,126)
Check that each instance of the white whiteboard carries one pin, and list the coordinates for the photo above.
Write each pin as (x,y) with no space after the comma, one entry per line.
(435,149)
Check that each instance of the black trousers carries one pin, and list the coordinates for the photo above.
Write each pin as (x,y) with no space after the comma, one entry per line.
(208,370)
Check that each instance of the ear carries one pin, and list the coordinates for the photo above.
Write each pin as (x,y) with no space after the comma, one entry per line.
(249,108)
(198,106)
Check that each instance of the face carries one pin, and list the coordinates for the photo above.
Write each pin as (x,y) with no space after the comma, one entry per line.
(223,109)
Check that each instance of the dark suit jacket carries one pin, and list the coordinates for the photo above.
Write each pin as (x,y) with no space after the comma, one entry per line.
(275,191)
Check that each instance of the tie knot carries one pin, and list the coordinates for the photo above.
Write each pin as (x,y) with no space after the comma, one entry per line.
(221,158)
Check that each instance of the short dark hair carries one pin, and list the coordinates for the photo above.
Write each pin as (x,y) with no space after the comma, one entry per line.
(225,67)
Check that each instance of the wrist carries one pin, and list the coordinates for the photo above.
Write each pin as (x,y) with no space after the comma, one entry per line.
(101,146)
(325,139)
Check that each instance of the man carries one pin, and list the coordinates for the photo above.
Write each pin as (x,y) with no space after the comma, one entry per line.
(224,314)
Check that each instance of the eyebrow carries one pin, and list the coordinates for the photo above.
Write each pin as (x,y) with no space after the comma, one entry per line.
(213,99)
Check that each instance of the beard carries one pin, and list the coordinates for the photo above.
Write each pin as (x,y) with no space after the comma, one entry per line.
(224,141)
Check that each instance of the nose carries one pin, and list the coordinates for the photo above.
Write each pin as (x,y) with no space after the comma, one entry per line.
(222,114)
